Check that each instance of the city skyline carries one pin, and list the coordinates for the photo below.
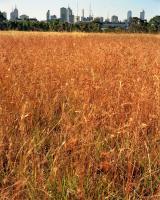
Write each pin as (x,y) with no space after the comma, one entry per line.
(99,8)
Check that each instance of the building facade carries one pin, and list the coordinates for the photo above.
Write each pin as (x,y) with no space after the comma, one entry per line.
(114,19)
(14,14)
(70,16)
(108,25)
(129,15)
(48,15)
(142,15)
(66,15)
(63,14)
(83,17)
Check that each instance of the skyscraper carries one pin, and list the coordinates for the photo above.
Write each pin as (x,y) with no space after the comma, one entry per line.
(142,15)
(48,15)
(70,17)
(66,15)
(82,18)
(63,14)
(14,14)
(129,15)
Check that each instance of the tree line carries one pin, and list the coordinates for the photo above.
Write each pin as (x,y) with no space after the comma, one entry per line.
(138,25)
(135,25)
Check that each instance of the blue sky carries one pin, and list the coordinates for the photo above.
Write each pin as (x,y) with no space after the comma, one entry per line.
(105,8)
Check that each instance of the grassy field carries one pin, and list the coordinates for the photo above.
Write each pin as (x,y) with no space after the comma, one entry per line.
(79,116)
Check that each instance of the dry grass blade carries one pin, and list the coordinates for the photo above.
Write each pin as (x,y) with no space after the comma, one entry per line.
(79,116)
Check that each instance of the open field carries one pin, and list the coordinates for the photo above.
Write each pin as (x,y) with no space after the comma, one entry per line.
(79,116)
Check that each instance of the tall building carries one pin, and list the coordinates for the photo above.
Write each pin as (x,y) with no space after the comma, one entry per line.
(66,15)
(142,15)
(129,15)
(70,16)
(83,13)
(48,15)
(82,18)
(114,19)
(14,14)
(63,14)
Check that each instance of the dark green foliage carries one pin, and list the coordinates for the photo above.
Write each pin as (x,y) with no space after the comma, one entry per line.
(154,24)
(136,25)
(2,18)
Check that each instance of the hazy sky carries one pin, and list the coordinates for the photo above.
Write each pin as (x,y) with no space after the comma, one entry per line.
(105,8)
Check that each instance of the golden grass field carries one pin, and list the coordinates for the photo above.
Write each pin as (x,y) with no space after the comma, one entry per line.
(79,116)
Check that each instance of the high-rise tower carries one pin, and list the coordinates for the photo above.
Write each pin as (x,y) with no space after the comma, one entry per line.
(70,17)
(48,15)
(142,15)
(63,14)
(82,18)
(129,15)
(14,14)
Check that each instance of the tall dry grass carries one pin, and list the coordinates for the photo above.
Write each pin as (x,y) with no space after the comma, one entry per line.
(79,116)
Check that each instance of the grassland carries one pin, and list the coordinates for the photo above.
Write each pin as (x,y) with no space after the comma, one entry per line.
(79,116)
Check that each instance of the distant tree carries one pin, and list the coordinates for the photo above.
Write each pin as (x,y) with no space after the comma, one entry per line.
(135,25)
(81,26)
(94,26)
(4,25)
(97,25)
(138,25)
(2,18)
(25,26)
(154,24)
(119,30)
(84,27)
(12,25)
